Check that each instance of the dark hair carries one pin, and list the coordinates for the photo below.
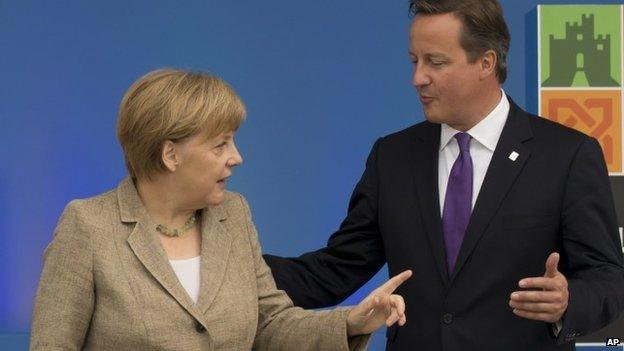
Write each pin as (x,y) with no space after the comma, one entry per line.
(484,27)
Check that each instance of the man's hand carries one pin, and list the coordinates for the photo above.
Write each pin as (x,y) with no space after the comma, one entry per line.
(378,308)
(547,304)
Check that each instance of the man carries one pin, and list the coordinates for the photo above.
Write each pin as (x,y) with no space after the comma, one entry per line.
(506,219)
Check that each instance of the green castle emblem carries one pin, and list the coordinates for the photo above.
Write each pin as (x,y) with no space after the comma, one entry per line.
(585,54)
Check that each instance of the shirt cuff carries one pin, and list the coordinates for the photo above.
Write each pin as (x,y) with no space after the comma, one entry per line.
(556,327)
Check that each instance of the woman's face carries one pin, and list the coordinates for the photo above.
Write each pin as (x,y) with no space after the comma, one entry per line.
(205,166)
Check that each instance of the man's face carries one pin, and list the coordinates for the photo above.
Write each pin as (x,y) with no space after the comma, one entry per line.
(447,84)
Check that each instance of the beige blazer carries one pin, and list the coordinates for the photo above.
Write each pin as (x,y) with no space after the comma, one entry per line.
(107,285)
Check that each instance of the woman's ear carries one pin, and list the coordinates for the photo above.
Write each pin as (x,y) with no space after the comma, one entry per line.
(170,156)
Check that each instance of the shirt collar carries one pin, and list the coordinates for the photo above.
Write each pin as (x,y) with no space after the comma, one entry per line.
(487,131)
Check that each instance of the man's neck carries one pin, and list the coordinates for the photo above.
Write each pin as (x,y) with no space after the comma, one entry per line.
(487,103)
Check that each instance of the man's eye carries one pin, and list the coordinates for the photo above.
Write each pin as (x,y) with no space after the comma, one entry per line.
(220,146)
(437,63)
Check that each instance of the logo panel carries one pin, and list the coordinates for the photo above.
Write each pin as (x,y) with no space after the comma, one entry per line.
(580,46)
(593,112)
(580,72)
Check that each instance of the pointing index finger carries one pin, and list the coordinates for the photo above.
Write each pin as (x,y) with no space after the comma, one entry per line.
(395,282)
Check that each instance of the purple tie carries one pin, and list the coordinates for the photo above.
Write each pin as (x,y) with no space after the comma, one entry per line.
(458,201)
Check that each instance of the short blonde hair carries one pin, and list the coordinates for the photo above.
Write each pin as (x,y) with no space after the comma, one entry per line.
(172,104)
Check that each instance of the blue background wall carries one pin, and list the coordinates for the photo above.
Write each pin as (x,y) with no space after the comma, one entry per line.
(321,79)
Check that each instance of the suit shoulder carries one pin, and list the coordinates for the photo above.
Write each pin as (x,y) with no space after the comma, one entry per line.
(405,136)
(235,205)
(90,209)
(238,213)
(83,218)
(233,200)
(411,131)
(557,132)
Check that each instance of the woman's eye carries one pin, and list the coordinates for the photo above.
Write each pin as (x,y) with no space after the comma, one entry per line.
(220,148)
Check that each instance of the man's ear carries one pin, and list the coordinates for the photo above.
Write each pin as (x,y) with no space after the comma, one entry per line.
(170,156)
(488,63)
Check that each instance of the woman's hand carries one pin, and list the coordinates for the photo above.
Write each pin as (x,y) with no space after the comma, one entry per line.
(378,308)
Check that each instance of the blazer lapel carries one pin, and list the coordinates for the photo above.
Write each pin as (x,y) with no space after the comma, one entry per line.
(216,243)
(151,254)
(426,171)
(499,178)
(146,247)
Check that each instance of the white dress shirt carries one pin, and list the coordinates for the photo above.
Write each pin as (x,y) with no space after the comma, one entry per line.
(187,271)
(484,135)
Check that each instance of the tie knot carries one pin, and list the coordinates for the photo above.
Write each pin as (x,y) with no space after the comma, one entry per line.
(463,140)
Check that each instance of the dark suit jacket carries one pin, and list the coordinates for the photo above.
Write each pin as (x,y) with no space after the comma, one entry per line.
(554,197)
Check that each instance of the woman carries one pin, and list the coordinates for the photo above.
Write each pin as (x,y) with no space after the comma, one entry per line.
(171,261)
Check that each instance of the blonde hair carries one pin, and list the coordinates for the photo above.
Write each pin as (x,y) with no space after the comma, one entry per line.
(172,104)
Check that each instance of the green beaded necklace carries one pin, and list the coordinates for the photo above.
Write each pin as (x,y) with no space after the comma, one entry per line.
(174,233)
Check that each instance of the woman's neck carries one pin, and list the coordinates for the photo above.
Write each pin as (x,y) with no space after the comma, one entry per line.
(163,203)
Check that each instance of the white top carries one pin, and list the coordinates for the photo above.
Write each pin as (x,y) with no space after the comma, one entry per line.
(187,271)
(484,135)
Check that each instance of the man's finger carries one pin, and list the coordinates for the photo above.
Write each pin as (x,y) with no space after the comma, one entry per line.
(395,282)
(540,283)
(551,265)
(537,307)
(535,296)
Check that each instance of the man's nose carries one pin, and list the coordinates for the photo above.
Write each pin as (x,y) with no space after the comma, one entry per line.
(420,77)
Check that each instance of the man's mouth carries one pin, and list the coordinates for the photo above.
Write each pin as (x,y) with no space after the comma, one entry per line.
(425,99)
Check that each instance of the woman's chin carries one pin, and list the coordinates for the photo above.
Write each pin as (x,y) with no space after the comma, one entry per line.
(216,198)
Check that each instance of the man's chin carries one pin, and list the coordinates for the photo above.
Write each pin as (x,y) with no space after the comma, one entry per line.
(434,118)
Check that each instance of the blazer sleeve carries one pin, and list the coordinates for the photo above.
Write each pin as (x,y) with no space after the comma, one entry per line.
(281,326)
(65,296)
(352,256)
(592,253)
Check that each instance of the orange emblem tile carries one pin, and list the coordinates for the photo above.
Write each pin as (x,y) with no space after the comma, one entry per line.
(594,112)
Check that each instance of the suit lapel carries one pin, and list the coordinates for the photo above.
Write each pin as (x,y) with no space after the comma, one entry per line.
(216,243)
(426,171)
(499,178)
(147,248)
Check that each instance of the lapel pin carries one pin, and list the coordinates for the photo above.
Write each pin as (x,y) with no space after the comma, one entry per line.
(513,155)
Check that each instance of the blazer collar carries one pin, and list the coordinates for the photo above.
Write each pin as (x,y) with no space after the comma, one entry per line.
(147,248)
(131,208)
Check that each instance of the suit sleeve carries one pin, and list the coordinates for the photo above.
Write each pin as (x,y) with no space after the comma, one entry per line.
(282,326)
(352,256)
(591,246)
(65,296)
